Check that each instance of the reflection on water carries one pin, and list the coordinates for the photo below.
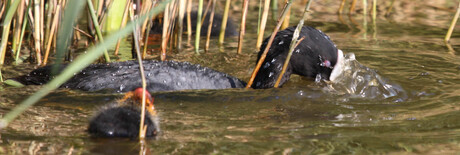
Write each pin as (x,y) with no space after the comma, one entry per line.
(408,104)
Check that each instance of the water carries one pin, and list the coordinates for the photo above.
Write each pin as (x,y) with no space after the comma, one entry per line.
(302,117)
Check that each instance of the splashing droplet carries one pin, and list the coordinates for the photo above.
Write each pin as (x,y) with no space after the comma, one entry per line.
(318,78)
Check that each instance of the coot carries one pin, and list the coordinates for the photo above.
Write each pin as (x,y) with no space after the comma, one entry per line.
(316,56)
(124,76)
(122,118)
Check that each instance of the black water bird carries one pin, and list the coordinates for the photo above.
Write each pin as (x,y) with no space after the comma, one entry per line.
(122,118)
(315,57)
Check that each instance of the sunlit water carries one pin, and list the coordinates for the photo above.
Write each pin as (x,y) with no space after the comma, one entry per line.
(399,93)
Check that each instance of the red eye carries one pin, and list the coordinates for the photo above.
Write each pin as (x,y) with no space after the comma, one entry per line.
(326,63)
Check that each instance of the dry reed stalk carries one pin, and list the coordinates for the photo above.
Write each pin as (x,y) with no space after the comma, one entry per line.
(21,38)
(146,6)
(274,9)
(365,8)
(374,19)
(180,24)
(6,30)
(100,4)
(286,20)
(83,32)
(53,29)
(352,7)
(49,13)
(142,127)
(165,32)
(269,44)
(123,23)
(18,25)
(374,10)
(243,25)
(390,8)
(172,22)
(263,23)
(342,4)
(77,35)
(189,20)
(259,16)
(211,18)
(2,8)
(224,22)
(452,24)
(365,19)
(146,39)
(205,13)
(42,22)
(198,26)
(37,31)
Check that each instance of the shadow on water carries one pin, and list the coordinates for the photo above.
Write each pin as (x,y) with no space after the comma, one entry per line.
(401,97)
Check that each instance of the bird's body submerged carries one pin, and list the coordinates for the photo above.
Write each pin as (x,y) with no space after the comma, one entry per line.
(121,121)
(125,76)
(123,117)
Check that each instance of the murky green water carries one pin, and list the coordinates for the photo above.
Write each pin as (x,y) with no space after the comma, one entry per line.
(298,118)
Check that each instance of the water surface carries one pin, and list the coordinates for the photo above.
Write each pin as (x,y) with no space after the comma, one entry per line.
(302,117)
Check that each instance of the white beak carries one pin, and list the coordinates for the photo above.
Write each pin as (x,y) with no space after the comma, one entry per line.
(338,68)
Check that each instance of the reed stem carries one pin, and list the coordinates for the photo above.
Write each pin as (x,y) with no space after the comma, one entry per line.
(142,127)
(180,23)
(164,34)
(211,19)
(286,20)
(6,28)
(260,36)
(452,24)
(341,6)
(123,23)
(374,10)
(198,26)
(189,19)
(274,10)
(224,22)
(259,17)
(24,25)
(243,25)
(96,26)
(18,25)
(37,31)
(352,7)
(390,8)
(50,37)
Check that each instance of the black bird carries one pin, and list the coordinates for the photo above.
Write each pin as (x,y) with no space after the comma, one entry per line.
(315,56)
(122,118)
